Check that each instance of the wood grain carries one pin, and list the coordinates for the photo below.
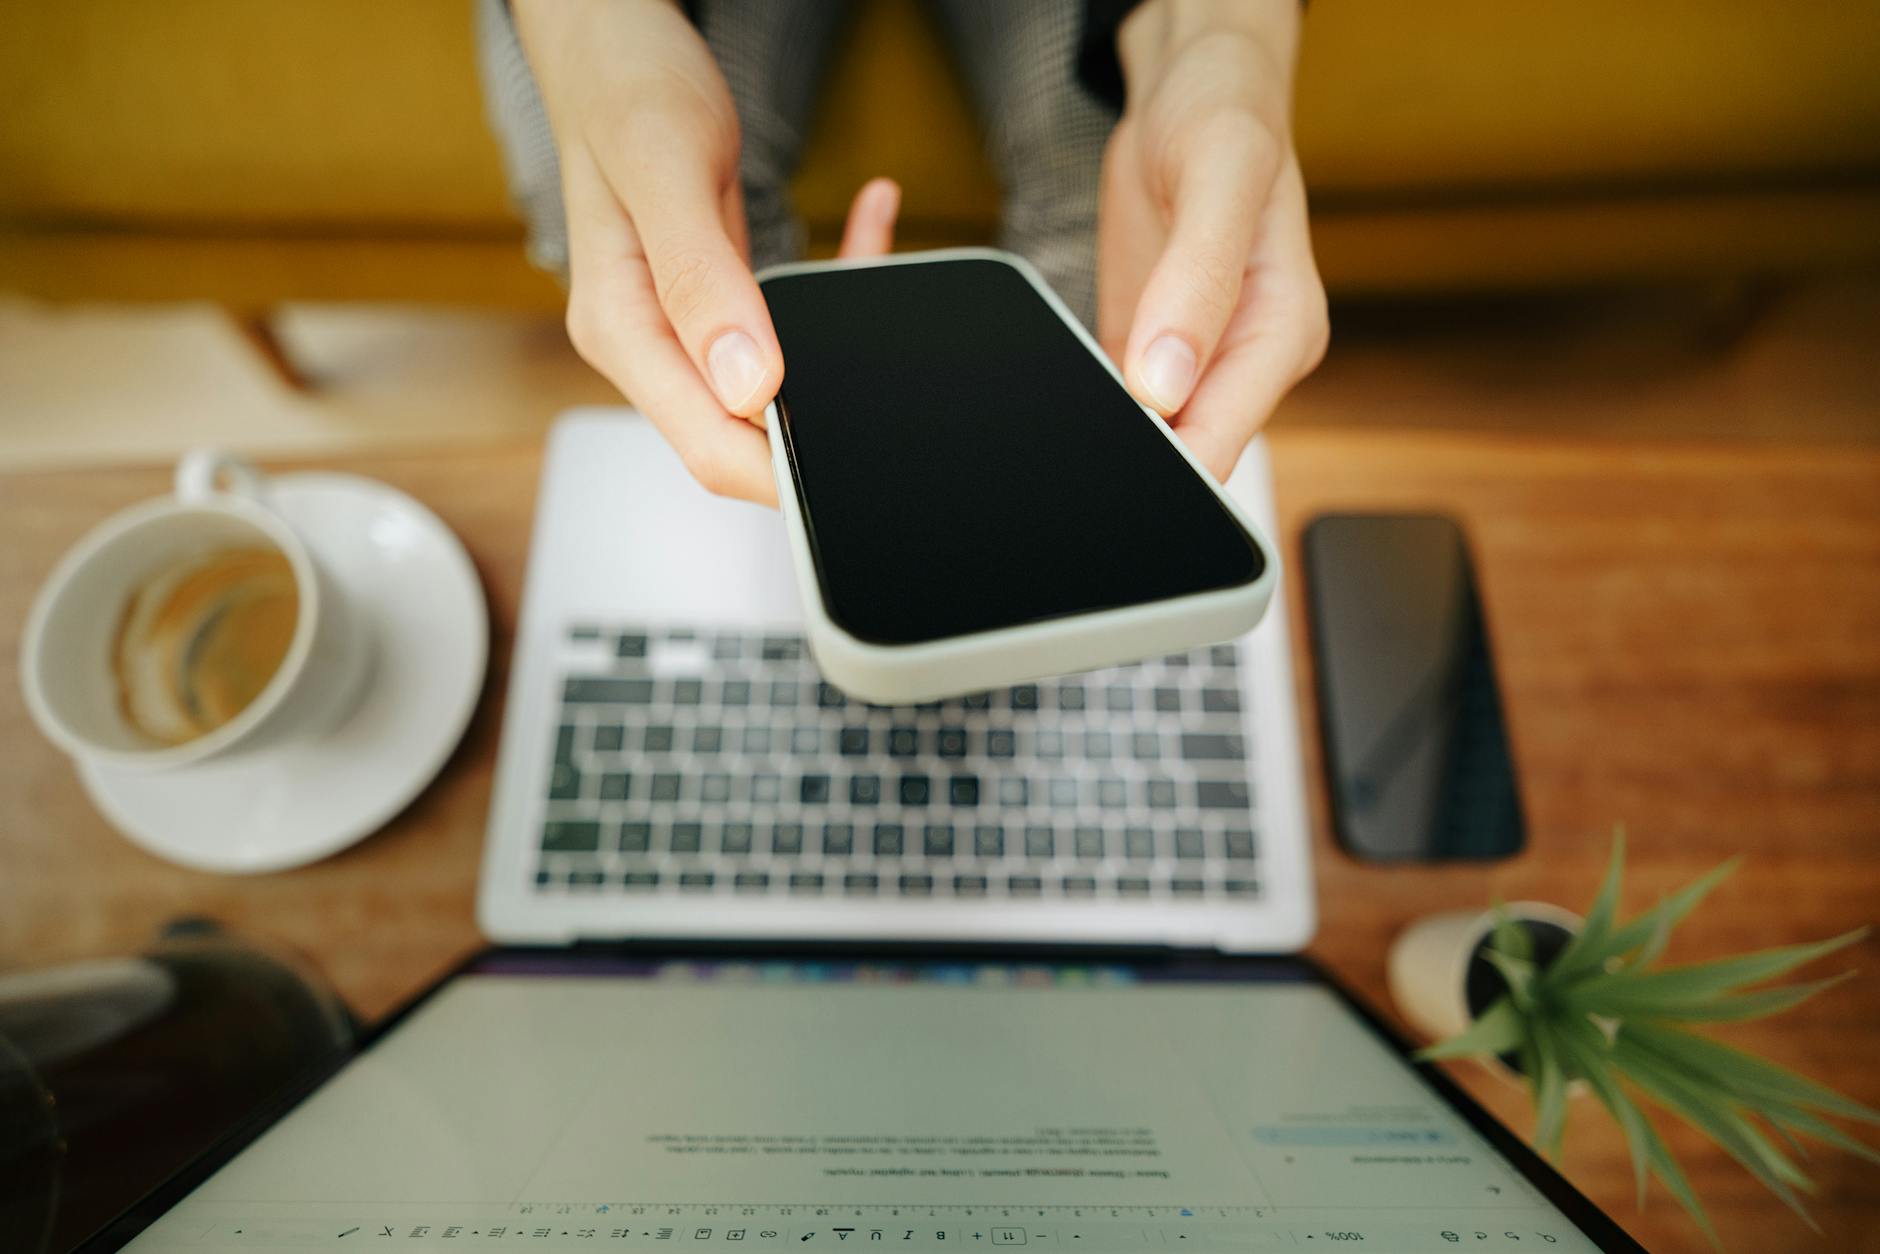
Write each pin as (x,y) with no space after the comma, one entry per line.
(1688,637)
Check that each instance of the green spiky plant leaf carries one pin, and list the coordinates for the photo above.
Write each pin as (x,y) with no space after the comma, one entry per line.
(1605,1012)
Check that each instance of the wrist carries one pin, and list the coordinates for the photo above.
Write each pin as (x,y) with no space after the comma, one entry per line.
(1261,35)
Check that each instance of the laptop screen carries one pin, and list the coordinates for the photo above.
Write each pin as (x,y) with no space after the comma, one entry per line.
(823,1106)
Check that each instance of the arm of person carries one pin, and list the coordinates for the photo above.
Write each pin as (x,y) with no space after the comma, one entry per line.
(661,298)
(1207,292)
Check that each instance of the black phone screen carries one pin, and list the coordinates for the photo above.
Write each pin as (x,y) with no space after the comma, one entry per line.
(963,463)
(1415,741)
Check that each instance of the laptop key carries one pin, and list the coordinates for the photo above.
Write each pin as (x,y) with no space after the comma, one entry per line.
(658,738)
(888,840)
(1145,746)
(838,840)
(564,782)
(1025,697)
(963,791)
(989,841)
(608,738)
(1087,843)
(1212,747)
(1070,696)
(951,742)
(1240,845)
(686,837)
(1241,887)
(736,693)
(616,785)
(1000,742)
(1222,794)
(1220,701)
(636,836)
(766,789)
(916,790)
(1024,885)
(1039,841)
(708,740)
(969,885)
(937,840)
(564,743)
(666,786)
(586,878)
(916,884)
(1159,794)
(805,741)
(735,839)
(1168,700)
(860,883)
(1188,844)
(786,839)
(1187,886)
(864,790)
(631,645)
(640,881)
(1138,844)
(784,693)
(1132,886)
(806,881)
(852,742)
(571,836)
(903,742)
(697,881)
(714,788)
(813,790)
(1013,790)
(751,881)
(756,741)
(829,697)
(587,690)
(687,691)
(1078,886)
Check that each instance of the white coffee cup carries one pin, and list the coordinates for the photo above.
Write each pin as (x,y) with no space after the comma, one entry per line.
(66,662)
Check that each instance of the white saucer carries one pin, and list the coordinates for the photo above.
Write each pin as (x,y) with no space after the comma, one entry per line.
(418,595)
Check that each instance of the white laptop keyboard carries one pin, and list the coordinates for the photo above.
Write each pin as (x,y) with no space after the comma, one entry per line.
(702,761)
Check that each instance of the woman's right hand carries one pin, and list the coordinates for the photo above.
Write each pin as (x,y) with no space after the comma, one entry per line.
(661,298)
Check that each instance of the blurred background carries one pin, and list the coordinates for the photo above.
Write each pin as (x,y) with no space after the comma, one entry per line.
(284,225)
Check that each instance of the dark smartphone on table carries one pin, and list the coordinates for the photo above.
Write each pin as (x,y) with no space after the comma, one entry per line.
(1416,745)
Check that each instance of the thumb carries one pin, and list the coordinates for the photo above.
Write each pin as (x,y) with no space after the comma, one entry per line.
(869,231)
(707,291)
(1195,285)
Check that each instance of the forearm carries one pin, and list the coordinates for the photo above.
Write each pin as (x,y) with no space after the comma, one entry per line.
(1260,38)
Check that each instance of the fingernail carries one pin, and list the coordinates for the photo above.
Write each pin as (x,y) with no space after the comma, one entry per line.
(1167,372)
(736,368)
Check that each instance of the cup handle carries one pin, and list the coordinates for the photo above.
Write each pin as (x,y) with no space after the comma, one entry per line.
(203,472)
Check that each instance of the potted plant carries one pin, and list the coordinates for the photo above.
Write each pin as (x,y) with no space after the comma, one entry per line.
(1570,1004)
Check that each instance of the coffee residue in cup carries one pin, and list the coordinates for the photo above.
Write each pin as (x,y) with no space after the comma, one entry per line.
(201,638)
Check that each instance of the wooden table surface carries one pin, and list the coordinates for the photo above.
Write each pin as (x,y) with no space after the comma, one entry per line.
(1689,640)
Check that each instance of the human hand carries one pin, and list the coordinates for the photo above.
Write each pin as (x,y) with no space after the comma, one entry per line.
(661,297)
(1207,294)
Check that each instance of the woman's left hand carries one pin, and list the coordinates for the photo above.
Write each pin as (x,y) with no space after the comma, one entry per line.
(1207,293)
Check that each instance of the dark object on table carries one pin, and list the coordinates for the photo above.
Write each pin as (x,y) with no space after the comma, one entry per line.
(1416,747)
(116,1072)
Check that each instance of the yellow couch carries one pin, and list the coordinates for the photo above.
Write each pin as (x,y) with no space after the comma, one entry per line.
(252,153)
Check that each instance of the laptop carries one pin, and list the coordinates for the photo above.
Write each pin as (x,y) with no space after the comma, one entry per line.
(675,1095)
(673,766)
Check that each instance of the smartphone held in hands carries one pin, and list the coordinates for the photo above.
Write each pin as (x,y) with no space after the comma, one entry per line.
(973,498)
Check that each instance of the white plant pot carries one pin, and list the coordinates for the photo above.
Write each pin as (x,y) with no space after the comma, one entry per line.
(1428,967)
